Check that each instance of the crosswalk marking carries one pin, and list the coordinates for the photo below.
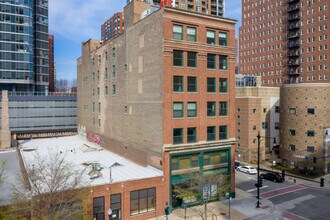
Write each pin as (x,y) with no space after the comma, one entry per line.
(251,190)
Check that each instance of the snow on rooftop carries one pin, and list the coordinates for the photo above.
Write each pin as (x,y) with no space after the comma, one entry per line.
(79,151)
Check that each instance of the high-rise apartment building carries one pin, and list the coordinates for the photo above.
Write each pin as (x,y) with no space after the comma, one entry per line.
(285,41)
(24,52)
(51,64)
(212,7)
(163,93)
(113,27)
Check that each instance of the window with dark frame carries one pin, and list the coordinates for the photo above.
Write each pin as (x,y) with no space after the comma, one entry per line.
(115,204)
(292,132)
(178,110)
(310,133)
(142,201)
(211,133)
(178,84)
(223,85)
(177,135)
(211,85)
(310,149)
(192,84)
(292,147)
(191,135)
(265,125)
(223,39)
(223,135)
(210,35)
(223,108)
(311,111)
(211,62)
(191,59)
(98,208)
(292,111)
(192,110)
(191,34)
(177,32)
(211,109)
(223,62)
(178,58)
(277,109)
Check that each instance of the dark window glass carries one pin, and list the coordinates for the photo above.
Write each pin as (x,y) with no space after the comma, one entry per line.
(223,85)
(211,85)
(223,109)
(98,208)
(310,149)
(177,136)
(191,135)
(223,63)
(310,133)
(223,132)
(211,133)
(211,109)
(192,59)
(177,83)
(178,110)
(211,61)
(292,147)
(143,201)
(292,132)
(311,111)
(192,84)
(177,58)
(223,40)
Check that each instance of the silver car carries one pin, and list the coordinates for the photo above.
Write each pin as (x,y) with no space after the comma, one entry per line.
(247,169)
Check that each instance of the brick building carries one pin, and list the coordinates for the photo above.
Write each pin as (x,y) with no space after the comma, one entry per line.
(163,93)
(285,41)
(113,27)
(305,126)
(257,109)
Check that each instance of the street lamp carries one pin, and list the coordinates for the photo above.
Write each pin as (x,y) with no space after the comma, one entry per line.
(258,177)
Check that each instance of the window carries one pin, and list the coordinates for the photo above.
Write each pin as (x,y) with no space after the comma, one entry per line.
(191,135)
(106,90)
(223,108)
(210,35)
(98,208)
(310,149)
(311,111)
(143,201)
(191,59)
(223,85)
(178,110)
(210,61)
(113,89)
(177,83)
(106,74)
(191,34)
(223,64)
(223,132)
(177,58)
(292,147)
(99,60)
(211,87)
(93,106)
(115,204)
(98,76)
(265,125)
(99,107)
(113,53)
(98,90)
(106,55)
(310,133)
(177,135)
(211,133)
(277,125)
(292,132)
(93,76)
(177,32)
(184,162)
(192,109)
(265,110)
(113,71)
(192,84)
(277,109)
(223,40)
(211,109)
(292,111)
(254,110)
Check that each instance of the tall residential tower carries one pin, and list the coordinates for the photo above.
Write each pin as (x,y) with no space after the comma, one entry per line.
(24,52)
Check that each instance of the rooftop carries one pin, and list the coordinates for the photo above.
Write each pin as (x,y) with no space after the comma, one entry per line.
(84,154)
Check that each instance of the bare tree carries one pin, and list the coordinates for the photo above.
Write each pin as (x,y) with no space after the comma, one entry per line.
(54,189)
(202,188)
(3,172)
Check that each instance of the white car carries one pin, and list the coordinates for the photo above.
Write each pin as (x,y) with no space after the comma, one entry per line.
(247,169)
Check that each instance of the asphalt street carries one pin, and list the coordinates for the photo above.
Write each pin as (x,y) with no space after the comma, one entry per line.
(294,202)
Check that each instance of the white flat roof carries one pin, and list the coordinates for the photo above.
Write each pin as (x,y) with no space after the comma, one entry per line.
(78,151)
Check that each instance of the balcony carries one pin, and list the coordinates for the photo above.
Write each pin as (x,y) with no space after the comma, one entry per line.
(293,62)
(292,71)
(293,44)
(293,8)
(292,1)
(293,53)
(294,17)
(294,26)
(293,35)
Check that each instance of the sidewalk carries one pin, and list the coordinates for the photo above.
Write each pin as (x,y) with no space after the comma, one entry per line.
(242,207)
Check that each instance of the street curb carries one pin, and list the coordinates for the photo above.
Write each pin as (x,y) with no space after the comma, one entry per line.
(316,188)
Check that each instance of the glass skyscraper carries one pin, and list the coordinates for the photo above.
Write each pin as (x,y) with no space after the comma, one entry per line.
(24,52)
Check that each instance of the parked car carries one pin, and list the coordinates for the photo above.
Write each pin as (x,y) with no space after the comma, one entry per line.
(247,169)
(275,177)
